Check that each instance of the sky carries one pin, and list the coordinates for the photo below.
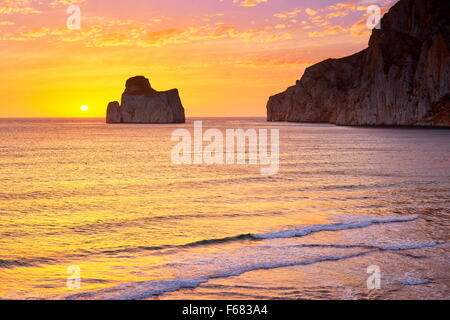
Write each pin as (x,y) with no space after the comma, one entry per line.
(226,57)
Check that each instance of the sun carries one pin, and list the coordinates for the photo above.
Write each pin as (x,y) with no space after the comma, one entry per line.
(84,108)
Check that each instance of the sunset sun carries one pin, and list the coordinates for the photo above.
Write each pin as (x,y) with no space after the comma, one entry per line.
(84,108)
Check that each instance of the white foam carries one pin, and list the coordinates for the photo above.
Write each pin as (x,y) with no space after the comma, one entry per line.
(268,256)
(415,282)
(332,227)
(410,246)
(142,290)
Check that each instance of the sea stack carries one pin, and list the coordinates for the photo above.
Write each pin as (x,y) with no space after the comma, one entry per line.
(401,79)
(143,104)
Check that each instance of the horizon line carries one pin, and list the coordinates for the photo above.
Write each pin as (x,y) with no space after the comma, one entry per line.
(210,117)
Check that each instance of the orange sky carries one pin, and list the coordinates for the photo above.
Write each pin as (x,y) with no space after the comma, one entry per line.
(225,56)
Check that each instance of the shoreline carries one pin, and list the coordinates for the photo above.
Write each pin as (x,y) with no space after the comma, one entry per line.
(369,126)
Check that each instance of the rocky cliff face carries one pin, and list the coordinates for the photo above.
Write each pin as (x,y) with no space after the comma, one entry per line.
(142,104)
(402,78)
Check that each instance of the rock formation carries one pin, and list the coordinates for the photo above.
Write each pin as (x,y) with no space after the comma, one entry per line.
(142,104)
(401,79)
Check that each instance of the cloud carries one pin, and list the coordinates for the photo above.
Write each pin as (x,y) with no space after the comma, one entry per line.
(103,32)
(311,12)
(350,5)
(341,10)
(36,33)
(327,31)
(66,3)
(288,14)
(360,29)
(156,32)
(338,14)
(249,3)
(8,7)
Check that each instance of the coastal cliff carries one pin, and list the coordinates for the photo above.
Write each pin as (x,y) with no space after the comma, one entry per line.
(401,79)
(143,104)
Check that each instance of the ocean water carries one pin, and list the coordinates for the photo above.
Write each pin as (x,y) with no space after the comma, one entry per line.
(107,201)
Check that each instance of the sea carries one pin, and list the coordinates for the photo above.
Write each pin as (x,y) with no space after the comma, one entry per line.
(90,210)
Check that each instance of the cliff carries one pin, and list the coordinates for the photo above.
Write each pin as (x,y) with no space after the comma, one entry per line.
(401,79)
(142,104)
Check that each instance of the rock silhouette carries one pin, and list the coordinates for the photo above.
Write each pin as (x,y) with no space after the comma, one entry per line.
(401,79)
(143,104)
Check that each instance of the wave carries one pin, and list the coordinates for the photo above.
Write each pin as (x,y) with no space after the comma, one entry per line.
(146,289)
(14,263)
(411,247)
(300,232)
(142,290)
(4,263)
(415,282)
(332,227)
(398,247)
(291,233)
